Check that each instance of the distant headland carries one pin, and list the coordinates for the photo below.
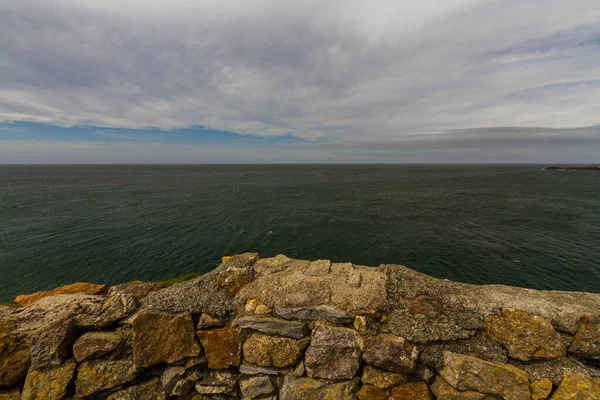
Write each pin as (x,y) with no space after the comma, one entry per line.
(584,168)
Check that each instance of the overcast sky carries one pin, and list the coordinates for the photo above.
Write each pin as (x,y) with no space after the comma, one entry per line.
(299,81)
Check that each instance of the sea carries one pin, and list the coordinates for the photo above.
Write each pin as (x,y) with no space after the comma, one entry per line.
(485,224)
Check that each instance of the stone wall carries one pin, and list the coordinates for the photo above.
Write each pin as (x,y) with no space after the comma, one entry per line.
(280,328)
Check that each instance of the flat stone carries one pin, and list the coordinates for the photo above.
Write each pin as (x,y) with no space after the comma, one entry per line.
(470,373)
(10,394)
(149,390)
(256,386)
(77,287)
(257,307)
(273,351)
(53,344)
(49,383)
(318,268)
(220,378)
(248,369)
(370,392)
(443,391)
(170,377)
(323,312)
(222,347)
(15,358)
(541,389)
(411,391)
(586,342)
(577,386)
(334,353)
(551,369)
(391,353)
(382,379)
(525,336)
(98,375)
(312,389)
(162,337)
(139,290)
(207,321)
(274,326)
(212,389)
(95,344)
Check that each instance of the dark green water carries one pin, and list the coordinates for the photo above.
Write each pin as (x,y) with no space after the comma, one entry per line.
(514,225)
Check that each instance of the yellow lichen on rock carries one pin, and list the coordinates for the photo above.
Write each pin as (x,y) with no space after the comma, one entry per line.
(77,287)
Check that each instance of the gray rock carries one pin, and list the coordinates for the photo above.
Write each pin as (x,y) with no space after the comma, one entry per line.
(324,313)
(95,344)
(249,369)
(274,326)
(391,353)
(318,268)
(312,389)
(170,377)
(207,321)
(551,369)
(149,390)
(256,386)
(334,353)
(53,344)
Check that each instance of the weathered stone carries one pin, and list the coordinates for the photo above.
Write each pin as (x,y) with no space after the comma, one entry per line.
(551,369)
(222,347)
(411,391)
(149,390)
(10,394)
(274,326)
(334,353)
(360,323)
(370,392)
(541,389)
(194,362)
(391,353)
(248,369)
(470,373)
(15,357)
(354,278)
(207,321)
(586,341)
(299,370)
(49,384)
(525,336)
(95,344)
(184,386)
(254,306)
(202,389)
(424,373)
(53,344)
(113,309)
(382,379)
(312,389)
(161,337)
(217,382)
(273,351)
(98,375)
(77,287)
(576,386)
(170,377)
(324,313)
(318,268)
(256,386)
(443,391)
(139,290)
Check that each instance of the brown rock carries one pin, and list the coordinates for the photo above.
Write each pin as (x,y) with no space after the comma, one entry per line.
(382,379)
(541,389)
(443,391)
(524,335)
(139,290)
(98,375)
(53,344)
(170,377)
(370,392)
(391,353)
(207,321)
(162,337)
(411,391)
(256,386)
(257,307)
(274,326)
(222,347)
(78,287)
(149,390)
(273,351)
(318,268)
(49,384)
(334,353)
(10,394)
(551,369)
(95,344)
(312,389)
(586,341)
(360,323)
(577,386)
(15,358)
(236,271)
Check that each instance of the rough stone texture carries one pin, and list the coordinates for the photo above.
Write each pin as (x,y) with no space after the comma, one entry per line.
(470,373)
(382,379)
(360,323)
(249,369)
(370,392)
(139,290)
(149,390)
(324,313)
(586,341)
(318,268)
(312,389)
(274,326)
(525,336)
(334,353)
(443,391)
(207,321)
(10,394)
(256,386)
(411,391)
(53,344)
(170,377)
(541,389)
(97,375)
(391,353)
(254,306)
(77,287)
(551,369)
(49,384)
(576,386)
(273,351)
(222,347)
(161,337)
(95,344)
(15,357)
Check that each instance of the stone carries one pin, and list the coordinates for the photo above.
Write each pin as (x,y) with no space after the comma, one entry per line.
(541,389)
(411,391)
(139,290)
(77,287)
(274,326)
(370,392)
(95,344)
(360,323)
(254,306)
(248,369)
(15,358)
(256,386)
(443,391)
(53,344)
(50,383)
(149,390)
(391,353)
(470,373)
(217,382)
(273,351)
(577,386)
(525,336)
(207,321)
(208,390)
(113,309)
(222,347)
(324,313)
(162,337)
(10,394)
(354,278)
(551,369)
(195,362)
(170,377)
(334,353)
(299,370)
(586,342)
(312,389)
(318,268)
(382,379)
(98,375)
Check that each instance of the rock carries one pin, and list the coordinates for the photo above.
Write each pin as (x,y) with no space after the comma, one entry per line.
(248,369)
(222,347)
(586,341)
(95,344)
(273,351)
(360,323)
(274,326)
(391,353)
(196,362)
(50,383)
(334,353)
(299,370)
(324,313)
(411,391)
(208,390)
(551,369)
(161,337)
(254,306)
(470,373)
(149,390)
(525,336)
(370,392)
(541,389)
(78,287)
(10,394)
(312,389)
(382,379)
(15,357)
(318,268)
(576,386)
(98,375)
(170,377)
(443,391)
(53,344)
(139,290)
(113,309)
(256,386)
(184,386)
(354,278)
(217,382)
(206,321)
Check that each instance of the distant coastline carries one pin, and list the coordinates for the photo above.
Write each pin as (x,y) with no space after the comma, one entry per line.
(585,168)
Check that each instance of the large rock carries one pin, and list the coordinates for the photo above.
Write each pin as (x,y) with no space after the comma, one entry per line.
(149,390)
(53,344)
(274,326)
(470,373)
(95,344)
(15,356)
(222,347)
(391,353)
(49,384)
(411,391)
(525,336)
(98,375)
(161,337)
(256,386)
(541,389)
(576,386)
(334,353)
(313,313)
(139,290)
(382,379)
(443,391)
(586,341)
(77,287)
(273,351)
(312,389)
(370,392)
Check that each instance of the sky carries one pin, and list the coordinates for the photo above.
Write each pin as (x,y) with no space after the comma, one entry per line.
(278,81)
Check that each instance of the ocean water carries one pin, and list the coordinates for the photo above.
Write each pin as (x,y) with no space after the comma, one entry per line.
(515,225)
